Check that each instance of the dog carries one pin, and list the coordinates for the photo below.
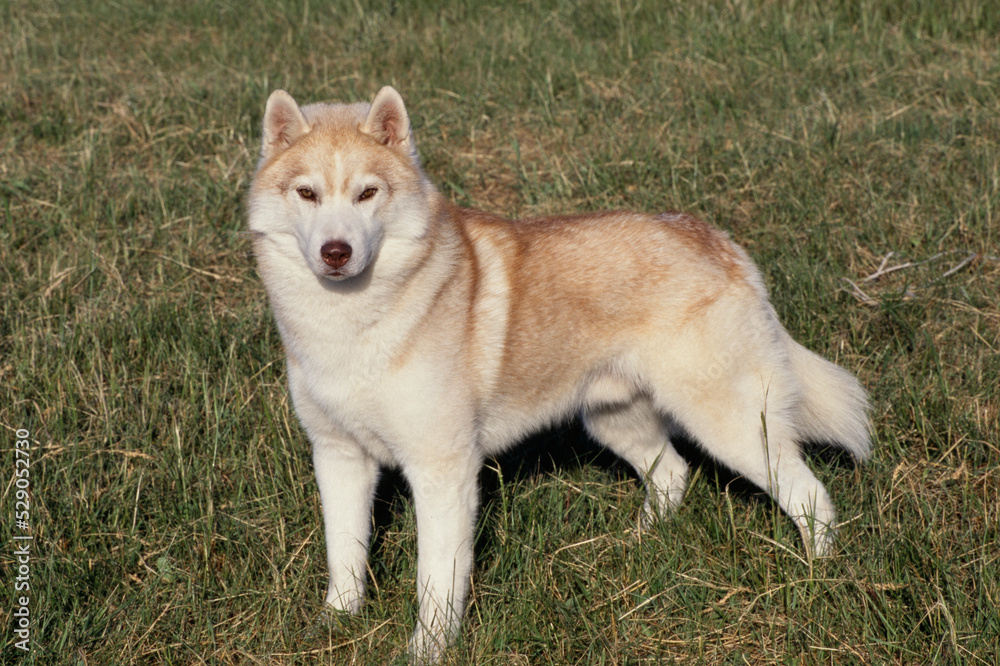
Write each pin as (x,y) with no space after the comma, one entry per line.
(428,337)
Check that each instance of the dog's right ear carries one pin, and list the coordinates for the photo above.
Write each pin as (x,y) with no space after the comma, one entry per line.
(283,124)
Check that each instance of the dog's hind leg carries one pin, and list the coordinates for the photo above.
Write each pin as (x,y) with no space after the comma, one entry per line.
(636,433)
(748,426)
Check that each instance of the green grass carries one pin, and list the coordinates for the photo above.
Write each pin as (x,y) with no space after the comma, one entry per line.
(175,516)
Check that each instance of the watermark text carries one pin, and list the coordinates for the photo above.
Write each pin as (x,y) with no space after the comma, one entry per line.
(23,539)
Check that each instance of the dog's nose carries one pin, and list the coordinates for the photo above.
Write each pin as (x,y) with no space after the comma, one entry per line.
(335,253)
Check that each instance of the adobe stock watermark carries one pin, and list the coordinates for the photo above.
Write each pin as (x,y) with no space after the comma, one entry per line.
(22,540)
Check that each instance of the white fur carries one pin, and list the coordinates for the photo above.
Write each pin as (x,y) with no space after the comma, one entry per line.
(450,335)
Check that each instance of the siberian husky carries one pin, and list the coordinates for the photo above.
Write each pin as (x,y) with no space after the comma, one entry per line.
(430,337)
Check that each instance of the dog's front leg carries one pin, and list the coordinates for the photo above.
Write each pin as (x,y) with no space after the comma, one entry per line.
(346,477)
(446,498)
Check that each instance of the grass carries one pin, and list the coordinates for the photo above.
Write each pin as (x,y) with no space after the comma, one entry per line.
(175,516)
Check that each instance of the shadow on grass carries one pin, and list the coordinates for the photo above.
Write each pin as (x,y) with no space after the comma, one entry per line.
(560,451)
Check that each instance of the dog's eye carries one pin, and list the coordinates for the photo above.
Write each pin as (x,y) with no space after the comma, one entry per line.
(367,193)
(306,193)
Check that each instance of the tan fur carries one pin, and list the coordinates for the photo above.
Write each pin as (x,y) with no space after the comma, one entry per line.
(427,336)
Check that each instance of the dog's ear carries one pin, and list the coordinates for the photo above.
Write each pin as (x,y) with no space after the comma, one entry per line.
(283,124)
(388,122)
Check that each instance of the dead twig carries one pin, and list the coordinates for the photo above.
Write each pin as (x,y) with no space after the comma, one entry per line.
(882,271)
(962,264)
(858,294)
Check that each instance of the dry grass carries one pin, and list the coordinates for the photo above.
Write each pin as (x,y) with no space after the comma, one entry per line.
(173,507)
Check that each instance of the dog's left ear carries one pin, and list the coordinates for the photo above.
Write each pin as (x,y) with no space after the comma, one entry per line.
(388,122)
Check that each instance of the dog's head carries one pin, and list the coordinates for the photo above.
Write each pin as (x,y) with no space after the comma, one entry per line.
(336,177)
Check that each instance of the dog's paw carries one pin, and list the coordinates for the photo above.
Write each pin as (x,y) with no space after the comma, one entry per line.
(427,647)
(346,598)
(820,542)
(328,623)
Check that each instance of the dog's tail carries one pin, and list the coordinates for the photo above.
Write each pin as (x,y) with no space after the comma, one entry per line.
(834,406)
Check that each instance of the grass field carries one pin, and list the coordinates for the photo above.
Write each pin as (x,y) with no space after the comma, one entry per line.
(173,508)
